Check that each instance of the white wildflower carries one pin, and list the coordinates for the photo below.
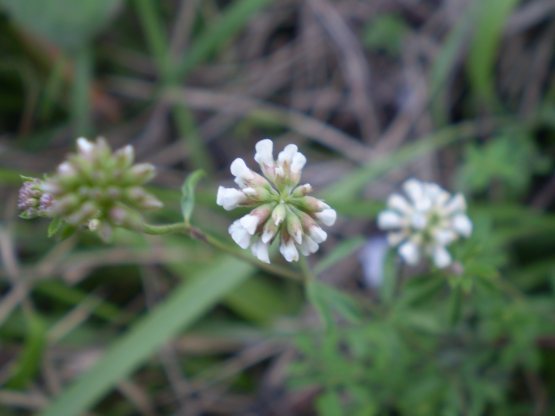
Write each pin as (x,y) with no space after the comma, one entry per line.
(282,210)
(425,223)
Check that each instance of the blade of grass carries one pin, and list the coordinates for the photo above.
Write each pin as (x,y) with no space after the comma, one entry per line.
(159,46)
(182,308)
(218,33)
(346,188)
(80,94)
(30,358)
(491,18)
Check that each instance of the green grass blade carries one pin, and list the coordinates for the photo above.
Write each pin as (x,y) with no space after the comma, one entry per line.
(491,18)
(219,32)
(347,187)
(182,308)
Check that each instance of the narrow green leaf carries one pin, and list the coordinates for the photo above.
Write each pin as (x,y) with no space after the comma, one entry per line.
(29,361)
(188,194)
(182,308)
(54,226)
(389,284)
(219,32)
(490,20)
(316,298)
(347,187)
(327,299)
(68,24)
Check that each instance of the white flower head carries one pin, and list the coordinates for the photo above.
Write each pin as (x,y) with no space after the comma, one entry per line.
(425,222)
(282,210)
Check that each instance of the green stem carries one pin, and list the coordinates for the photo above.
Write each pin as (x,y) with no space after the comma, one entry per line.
(305,268)
(200,235)
(80,92)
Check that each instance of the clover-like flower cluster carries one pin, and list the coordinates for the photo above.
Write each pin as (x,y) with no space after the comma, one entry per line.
(94,187)
(426,222)
(282,210)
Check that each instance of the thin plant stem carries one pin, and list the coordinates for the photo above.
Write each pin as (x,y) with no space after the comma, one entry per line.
(201,235)
(305,268)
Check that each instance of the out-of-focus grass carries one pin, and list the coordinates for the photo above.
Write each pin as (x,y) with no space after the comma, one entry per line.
(75,58)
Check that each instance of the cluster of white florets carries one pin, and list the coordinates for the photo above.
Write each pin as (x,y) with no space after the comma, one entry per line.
(425,222)
(282,210)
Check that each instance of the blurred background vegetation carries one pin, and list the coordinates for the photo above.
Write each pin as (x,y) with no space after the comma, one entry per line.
(461,92)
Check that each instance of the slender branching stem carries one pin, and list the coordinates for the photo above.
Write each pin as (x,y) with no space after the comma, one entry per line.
(201,235)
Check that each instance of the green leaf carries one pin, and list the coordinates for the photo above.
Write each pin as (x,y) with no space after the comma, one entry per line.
(180,310)
(188,194)
(68,24)
(347,187)
(490,20)
(219,33)
(327,299)
(329,404)
(29,361)
(386,33)
(54,226)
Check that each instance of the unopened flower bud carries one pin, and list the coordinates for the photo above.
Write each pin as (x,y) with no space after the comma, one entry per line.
(92,185)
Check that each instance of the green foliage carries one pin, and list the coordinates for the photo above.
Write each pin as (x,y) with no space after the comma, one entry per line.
(186,304)
(509,160)
(490,20)
(68,24)
(188,194)
(386,33)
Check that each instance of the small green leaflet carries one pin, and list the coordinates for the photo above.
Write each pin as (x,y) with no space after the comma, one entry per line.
(188,194)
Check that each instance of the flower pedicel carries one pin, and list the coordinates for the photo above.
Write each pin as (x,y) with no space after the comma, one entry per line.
(282,209)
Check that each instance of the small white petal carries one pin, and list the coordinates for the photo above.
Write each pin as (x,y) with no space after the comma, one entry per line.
(456,204)
(409,252)
(418,220)
(289,251)
(298,162)
(84,146)
(462,225)
(264,156)
(229,198)
(327,216)
(260,251)
(388,220)
(444,236)
(239,234)
(317,234)
(66,169)
(396,238)
(240,170)
(414,189)
(441,257)
(268,234)
(250,191)
(398,203)
(308,246)
(287,154)
(250,223)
